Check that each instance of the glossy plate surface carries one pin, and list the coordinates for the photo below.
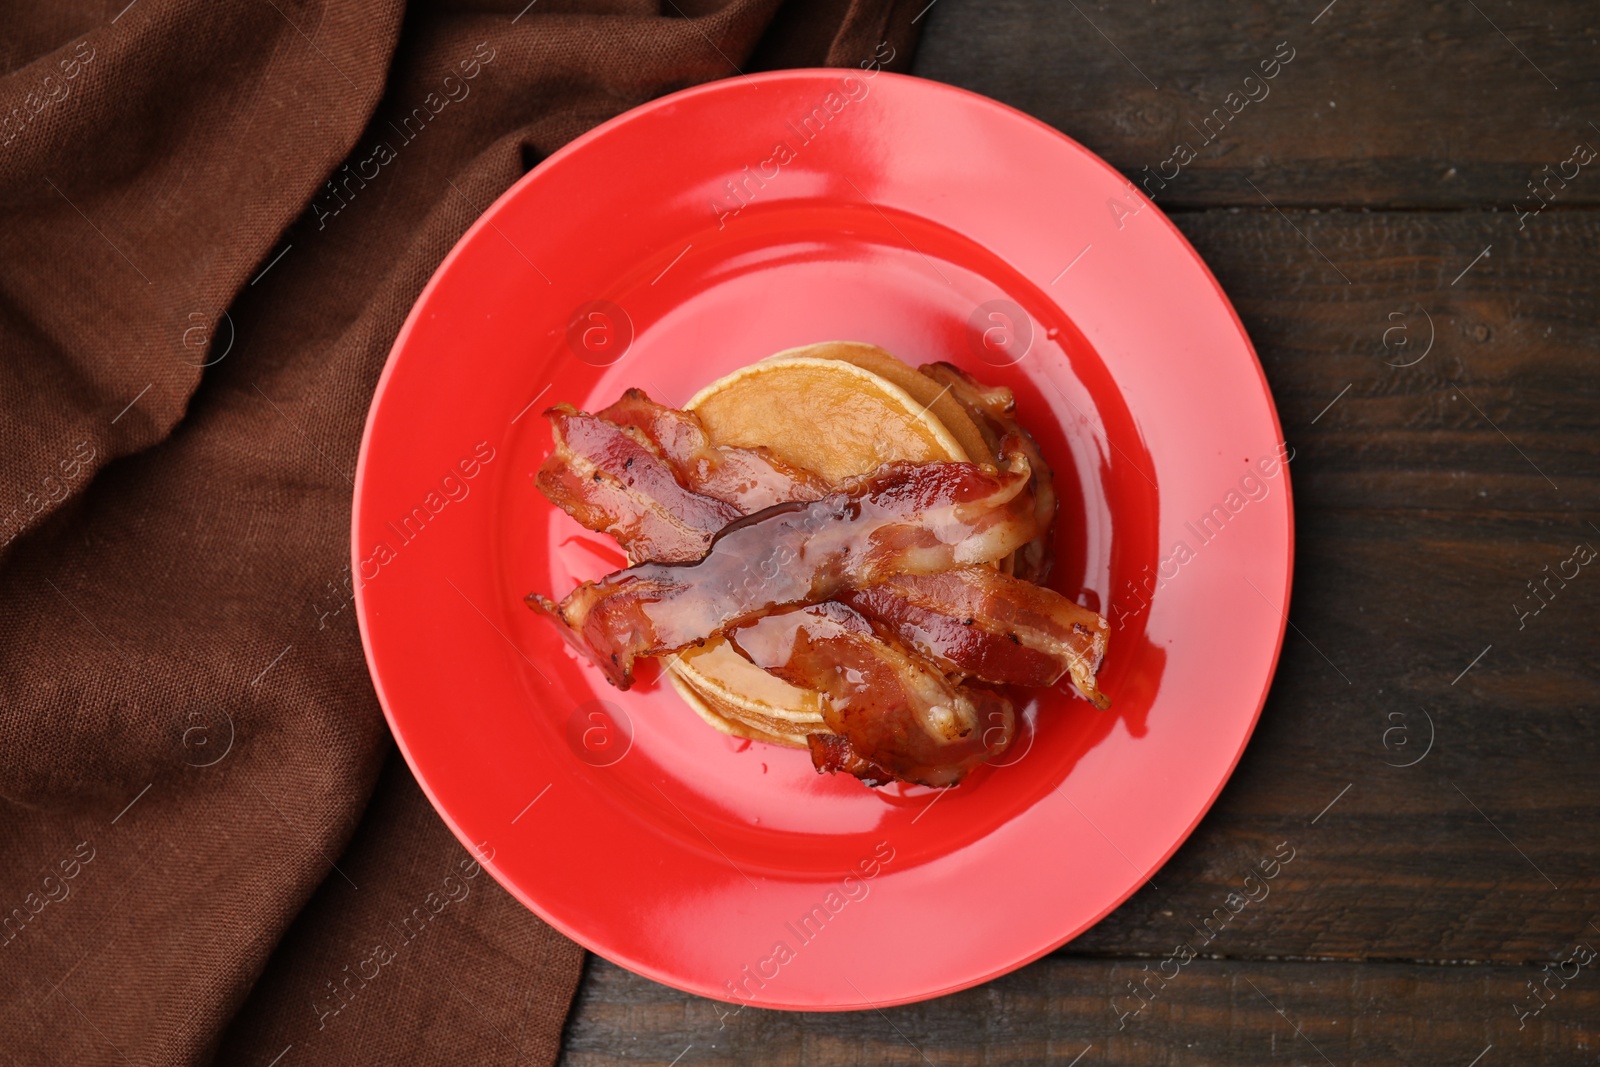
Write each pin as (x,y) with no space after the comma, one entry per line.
(702,232)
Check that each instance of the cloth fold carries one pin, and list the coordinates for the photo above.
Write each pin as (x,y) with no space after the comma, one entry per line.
(216,218)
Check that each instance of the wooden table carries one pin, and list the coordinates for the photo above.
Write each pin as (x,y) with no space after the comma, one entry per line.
(1378,198)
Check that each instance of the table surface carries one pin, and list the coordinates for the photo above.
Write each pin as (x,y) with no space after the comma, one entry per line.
(1377,200)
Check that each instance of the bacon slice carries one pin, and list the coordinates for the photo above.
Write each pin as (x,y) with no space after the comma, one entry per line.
(748,478)
(831,753)
(902,518)
(897,713)
(974,622)
(994,410)
(613,481)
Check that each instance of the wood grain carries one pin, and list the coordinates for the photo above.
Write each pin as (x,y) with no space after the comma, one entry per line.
(1214,1011)
(1383,104)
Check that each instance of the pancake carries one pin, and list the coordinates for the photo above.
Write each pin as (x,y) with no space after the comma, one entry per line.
(827,415)
(928,393)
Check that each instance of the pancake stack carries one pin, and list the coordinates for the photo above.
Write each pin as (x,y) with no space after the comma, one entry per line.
(839,408)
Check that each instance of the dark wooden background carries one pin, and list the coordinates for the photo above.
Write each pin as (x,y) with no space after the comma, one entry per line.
(1394,149)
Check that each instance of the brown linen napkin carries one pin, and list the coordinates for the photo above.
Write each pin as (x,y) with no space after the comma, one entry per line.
(208,848)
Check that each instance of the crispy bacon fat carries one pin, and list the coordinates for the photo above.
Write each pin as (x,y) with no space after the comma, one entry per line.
(994,411)
(975,622)
(613,480)
(911,720)
(902,518)
(748,478)
(649,476)
(833,753)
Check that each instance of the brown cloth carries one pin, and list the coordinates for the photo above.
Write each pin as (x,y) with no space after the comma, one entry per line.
(208,848)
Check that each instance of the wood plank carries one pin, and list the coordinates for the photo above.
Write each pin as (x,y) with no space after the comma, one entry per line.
(1502,405)
(1382,104)
(1059,1012)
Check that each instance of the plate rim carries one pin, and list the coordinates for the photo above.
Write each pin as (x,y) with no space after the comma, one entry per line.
(485,221)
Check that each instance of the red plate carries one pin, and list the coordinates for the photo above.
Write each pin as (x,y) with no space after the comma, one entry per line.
(700,233)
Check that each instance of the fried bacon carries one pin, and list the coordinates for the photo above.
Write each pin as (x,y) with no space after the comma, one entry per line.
(884,702)
(902,518)
(871,593)
(748,478)
(994,411)
(831,753)
(974,622)
(612,480)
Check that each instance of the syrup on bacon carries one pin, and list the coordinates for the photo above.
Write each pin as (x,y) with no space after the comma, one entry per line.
(902,518)
(895,712)
(975,622)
